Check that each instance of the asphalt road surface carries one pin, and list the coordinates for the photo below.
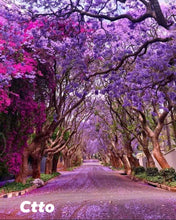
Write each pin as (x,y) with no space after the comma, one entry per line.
(93,191)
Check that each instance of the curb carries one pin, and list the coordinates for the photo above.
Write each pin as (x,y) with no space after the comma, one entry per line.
(22,192)
(18,193)
(158,185)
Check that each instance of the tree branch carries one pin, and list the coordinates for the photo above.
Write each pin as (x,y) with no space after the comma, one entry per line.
(135,54)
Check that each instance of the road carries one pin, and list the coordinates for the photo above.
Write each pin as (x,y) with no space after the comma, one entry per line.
(93,191)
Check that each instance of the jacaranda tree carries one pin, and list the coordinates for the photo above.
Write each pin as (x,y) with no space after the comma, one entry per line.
(54,54)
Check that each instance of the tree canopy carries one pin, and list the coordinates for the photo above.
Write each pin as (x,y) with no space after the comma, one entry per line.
(108,63)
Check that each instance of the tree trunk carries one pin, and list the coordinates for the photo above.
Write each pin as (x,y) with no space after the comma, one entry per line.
(134,162)
(123,158)
(115,160)
(161,20)
(126,164)
(120,163)
(36,167)
(103,158)
(112,159)
(150,161)
(36,154)
(34,150)
(67,162)
(49,163)
(55,162)
(107,160)
(158,154)
(22,176)
(173,124)
(168,135)
(73,160)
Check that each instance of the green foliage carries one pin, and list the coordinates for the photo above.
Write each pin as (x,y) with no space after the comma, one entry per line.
(77,161)
(152,171)
(29,180)
(138,170)
(130,127)
(50,115)
(106,164)
(54,135)
(172,184)
(113,126)
(141,175)
(151,121)
(31,138)
(12,187)
(96,112)
(66,135)
(113,168)
(121,168)
(97,127)
(46,177)
(168,174)
(155,179)
(70,168)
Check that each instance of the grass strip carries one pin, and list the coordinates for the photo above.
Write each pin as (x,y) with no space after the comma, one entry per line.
(14,187)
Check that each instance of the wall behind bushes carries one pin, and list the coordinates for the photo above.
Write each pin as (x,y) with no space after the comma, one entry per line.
(170,157)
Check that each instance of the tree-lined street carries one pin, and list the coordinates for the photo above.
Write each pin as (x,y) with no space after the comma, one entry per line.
(81,80)
(93,191)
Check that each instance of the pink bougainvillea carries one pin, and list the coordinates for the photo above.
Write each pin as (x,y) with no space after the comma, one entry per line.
(4,100)
(14,162)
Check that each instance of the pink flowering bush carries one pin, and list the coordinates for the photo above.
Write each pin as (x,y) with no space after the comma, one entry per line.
(4,100)
(14,162)
(20,111)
